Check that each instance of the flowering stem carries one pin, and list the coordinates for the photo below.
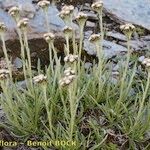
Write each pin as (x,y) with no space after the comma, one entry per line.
(28,53)
(46,18)
(101,25)
(99,74)
(22,52)
(55,53)
(49,113)
(67,44)
(80,46)
(6,56)
(72,107)
(50,57)
(124,73)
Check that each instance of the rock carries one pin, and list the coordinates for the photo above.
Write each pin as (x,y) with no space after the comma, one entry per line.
(87,65)
(141,58)
(37,27)
(116,35)
(110,49)
(136,44)
(17,63)
(90,24)
(133,11)
(21,85)
(27,10)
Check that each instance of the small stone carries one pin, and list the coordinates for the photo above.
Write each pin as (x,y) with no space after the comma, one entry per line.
(141,58)
(90,24)
(87,65)
(17,63)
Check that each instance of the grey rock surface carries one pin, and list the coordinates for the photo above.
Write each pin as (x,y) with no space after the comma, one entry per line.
(133,11)
(110,49)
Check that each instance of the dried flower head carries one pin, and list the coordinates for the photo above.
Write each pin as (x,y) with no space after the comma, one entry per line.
(81,18)
(146,62)
(71,58)
(68,31)
(66,80)
(40,79)
(2,27)
(23,23)
(97,6)
(94,38)
(69,8)
(69,72)
(127,29)
(49,37)
(4,74)
(14,12)
(66,13)
(44,4)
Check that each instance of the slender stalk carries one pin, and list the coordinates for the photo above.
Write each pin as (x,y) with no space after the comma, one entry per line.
(47,22)
(50,57)
(22,53)
(101,26)
(49,115)
(55,53)
(67,45)
(6,56)
(28,53)
(99,70)
(124,73)
(80,46)
(72,112)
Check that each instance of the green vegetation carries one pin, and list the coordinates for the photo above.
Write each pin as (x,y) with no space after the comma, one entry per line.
(71,103)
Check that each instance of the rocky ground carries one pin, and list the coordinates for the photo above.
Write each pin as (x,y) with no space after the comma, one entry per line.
(116,12)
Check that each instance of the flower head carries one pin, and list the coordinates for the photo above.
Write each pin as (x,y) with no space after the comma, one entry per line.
(127,29)
(40,79)
(146,62)
(4,74)
(68,31)
(14,12)
(44,4)
(71,58)
(97,6)
(23,23)
(69,72)
(94,38)
(49,37)
(2,27)
(81,18)
(66,13)
(66,80)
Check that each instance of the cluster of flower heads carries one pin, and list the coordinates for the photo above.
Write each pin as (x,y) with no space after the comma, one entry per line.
(44,4)
(3,28)
(127,29)
(69,76)
(39,79)
(67,31)
(71,58)
(146,62)
(4,74)
(14,12)
(94,38)
(97,6)
(23,23)
(66,12)
(49,37)
(81,18)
